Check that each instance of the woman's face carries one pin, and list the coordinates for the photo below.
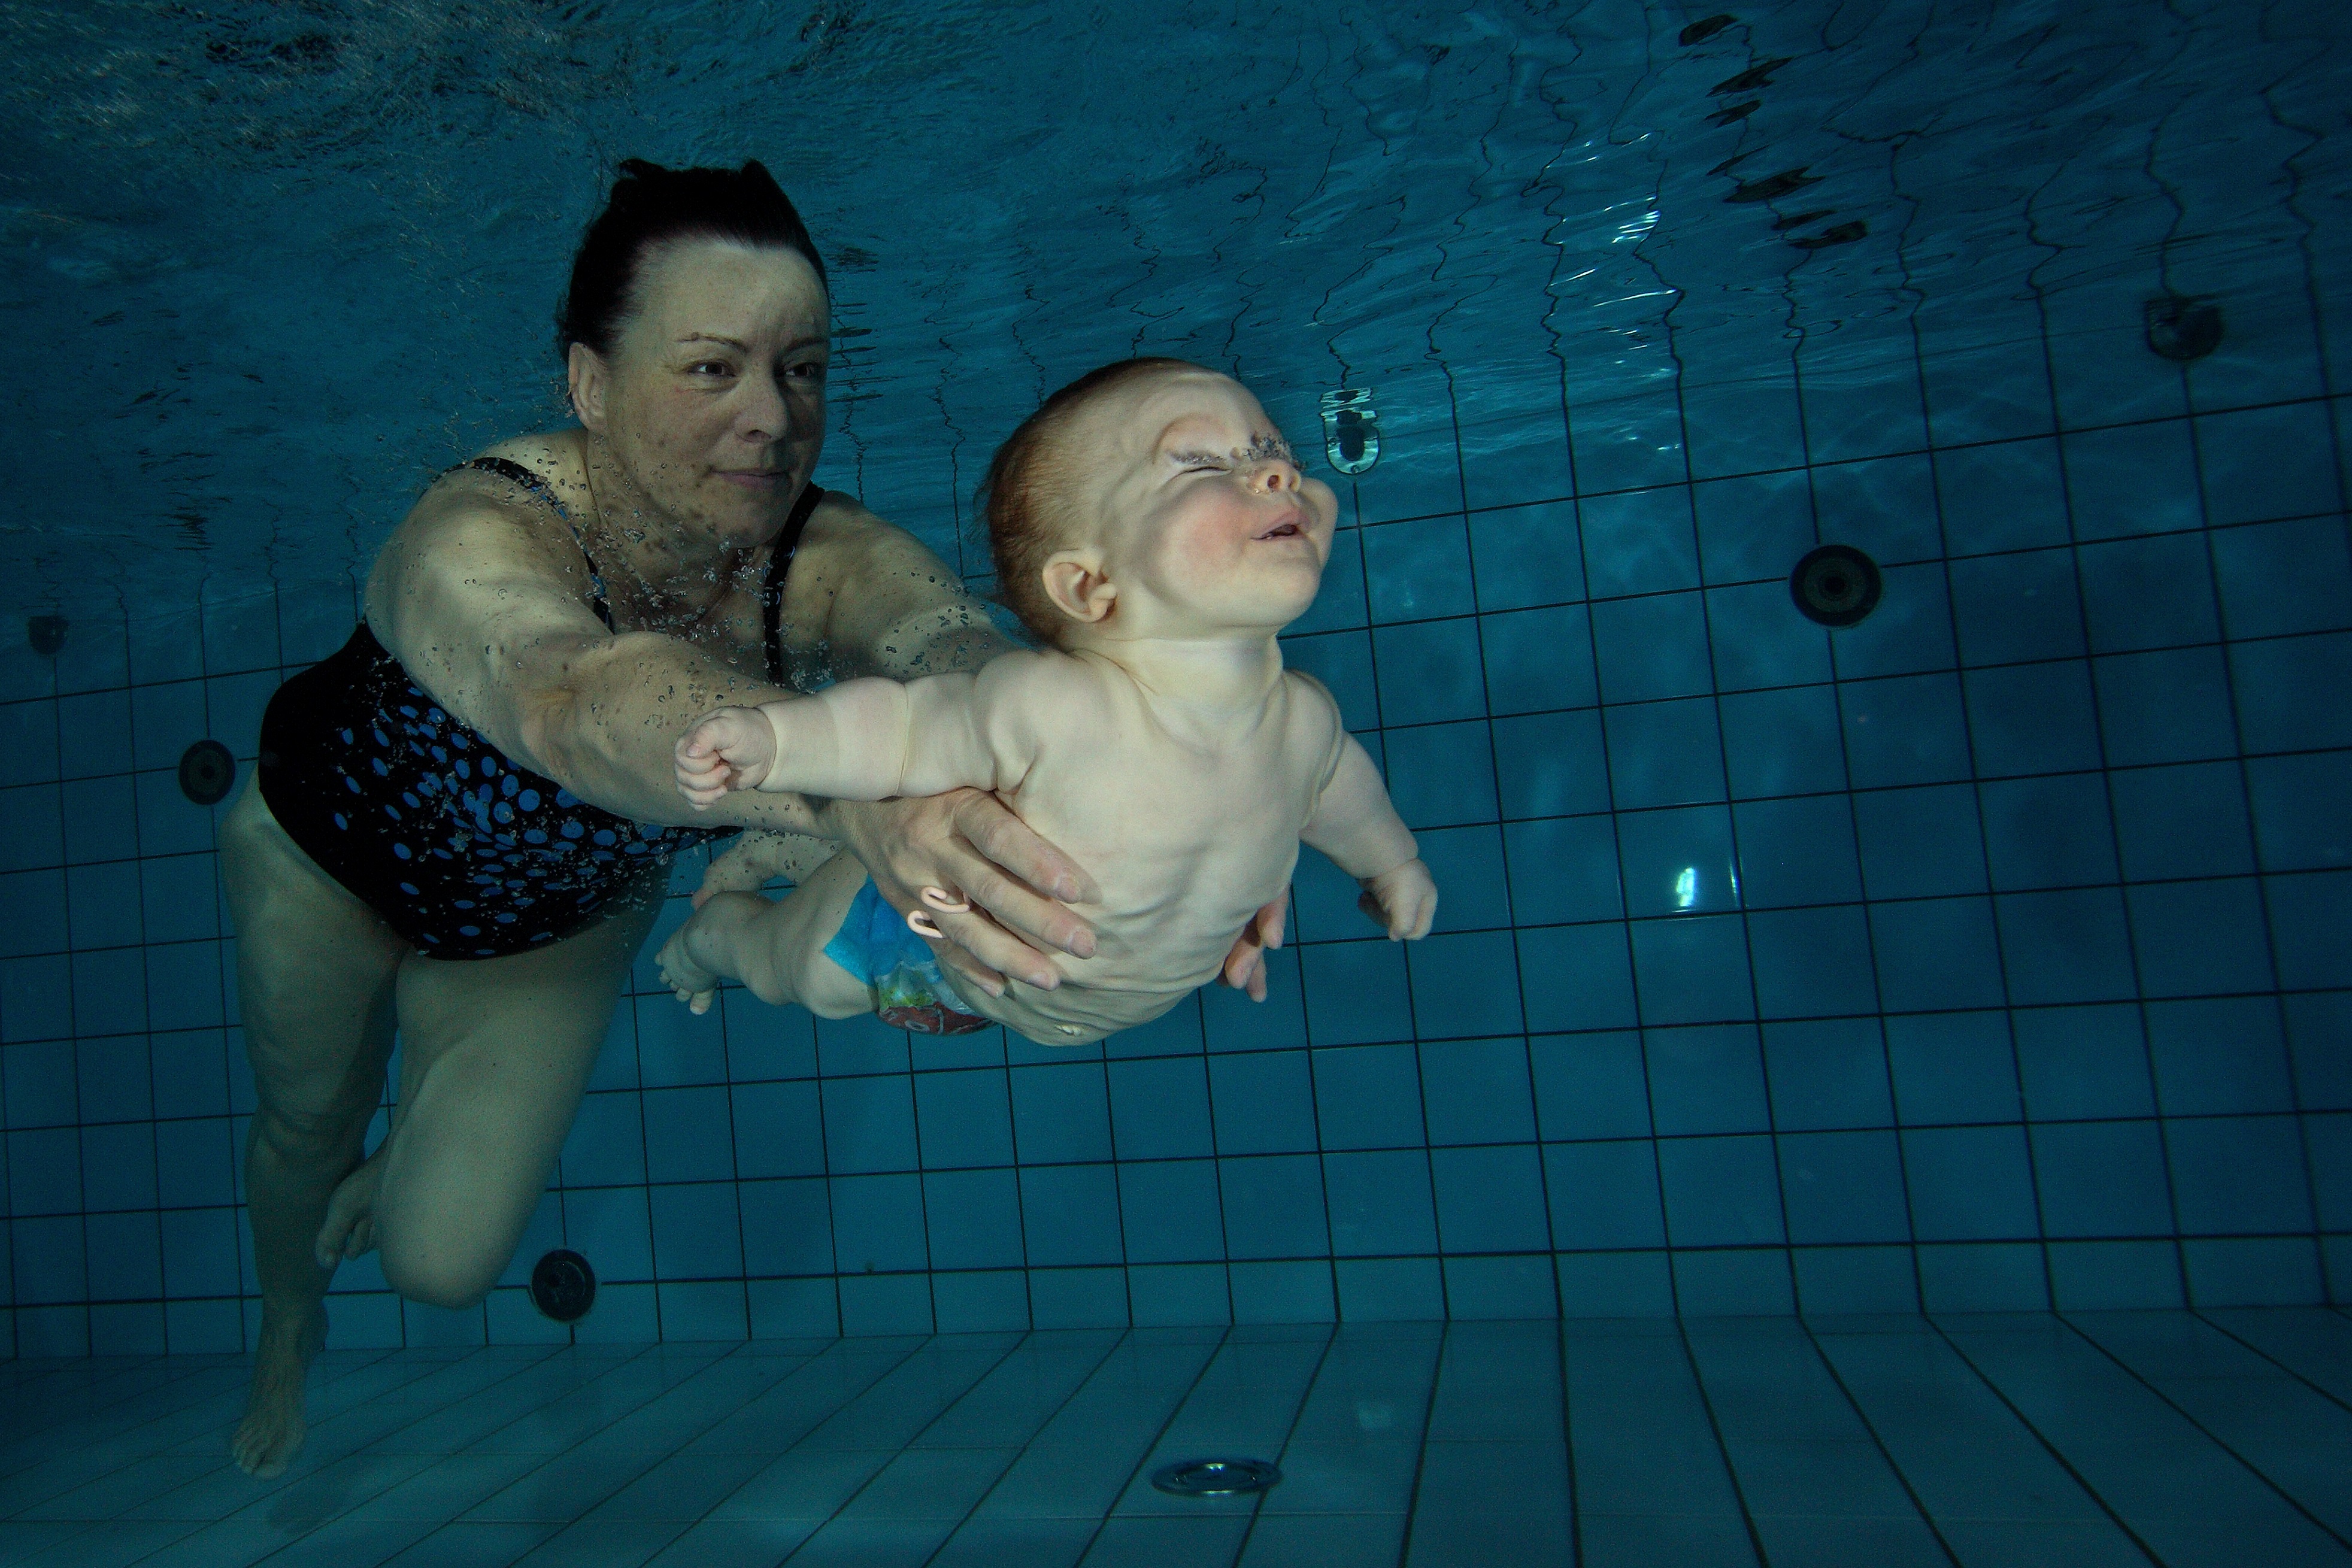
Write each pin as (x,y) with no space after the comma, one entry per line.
(713,401)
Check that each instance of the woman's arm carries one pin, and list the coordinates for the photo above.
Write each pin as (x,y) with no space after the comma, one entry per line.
(481,603)
(480,609)
(882,603)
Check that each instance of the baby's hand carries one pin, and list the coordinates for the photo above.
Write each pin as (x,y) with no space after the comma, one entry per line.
(1403,900)
(728,748)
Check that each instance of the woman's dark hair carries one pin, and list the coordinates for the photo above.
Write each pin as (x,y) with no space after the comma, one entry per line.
(651,205)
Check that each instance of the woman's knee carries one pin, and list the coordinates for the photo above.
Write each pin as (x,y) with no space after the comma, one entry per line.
(306,1136)
(437,1270)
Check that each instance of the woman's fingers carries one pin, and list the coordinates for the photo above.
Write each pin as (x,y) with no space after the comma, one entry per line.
(1244,966)
(978,949)
(1021,910)
(1269,922)
(959,849)
(1006,841)
(945,840)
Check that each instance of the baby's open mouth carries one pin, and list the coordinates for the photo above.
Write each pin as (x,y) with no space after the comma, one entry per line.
(1284,531)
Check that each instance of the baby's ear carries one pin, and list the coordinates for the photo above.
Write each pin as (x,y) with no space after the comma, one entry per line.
(1075,582)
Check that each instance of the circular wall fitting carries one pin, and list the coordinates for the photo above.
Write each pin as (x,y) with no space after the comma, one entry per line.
(2182,327)
(562,1286)
(207,772)
(1836,585)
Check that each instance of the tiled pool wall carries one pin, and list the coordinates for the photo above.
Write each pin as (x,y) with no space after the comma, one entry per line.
(1995,953)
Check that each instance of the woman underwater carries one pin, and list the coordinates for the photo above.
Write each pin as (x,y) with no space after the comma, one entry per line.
(461,823)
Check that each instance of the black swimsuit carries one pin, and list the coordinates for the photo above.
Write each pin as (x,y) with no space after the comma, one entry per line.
(465,854)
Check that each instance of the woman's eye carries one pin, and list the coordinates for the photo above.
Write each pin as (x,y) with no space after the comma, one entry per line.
(809,372)
(710,367)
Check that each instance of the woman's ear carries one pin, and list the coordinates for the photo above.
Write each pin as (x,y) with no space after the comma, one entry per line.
(584,370)
(1075,583)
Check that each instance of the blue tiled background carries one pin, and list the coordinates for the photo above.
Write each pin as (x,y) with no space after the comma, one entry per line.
(1995,953)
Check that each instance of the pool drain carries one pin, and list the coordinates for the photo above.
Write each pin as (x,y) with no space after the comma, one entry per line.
(562,1286)
(206,772)
(2182,327)
(1835,585)
(1351,429)
(1216,1478)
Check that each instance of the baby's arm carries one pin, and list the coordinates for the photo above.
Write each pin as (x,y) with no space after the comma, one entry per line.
(867,739)
(1354,824)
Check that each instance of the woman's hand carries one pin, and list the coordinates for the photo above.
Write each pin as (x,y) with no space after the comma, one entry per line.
(1245,967)
(967,842)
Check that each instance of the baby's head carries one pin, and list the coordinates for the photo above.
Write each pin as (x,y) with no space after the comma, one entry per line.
(1154,498)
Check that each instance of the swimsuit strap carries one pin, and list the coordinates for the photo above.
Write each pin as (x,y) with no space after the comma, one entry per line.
(541,490)
(771,591)
(779,565)
(506,469)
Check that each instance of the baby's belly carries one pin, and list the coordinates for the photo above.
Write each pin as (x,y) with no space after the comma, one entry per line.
(1152,953)
(1074,1014)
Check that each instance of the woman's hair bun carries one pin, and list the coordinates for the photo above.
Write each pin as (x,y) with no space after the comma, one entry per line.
(651,205)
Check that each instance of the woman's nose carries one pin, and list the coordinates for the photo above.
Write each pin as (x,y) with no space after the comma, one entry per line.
(765,416)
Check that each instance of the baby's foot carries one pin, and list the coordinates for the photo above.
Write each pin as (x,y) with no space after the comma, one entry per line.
(350,1227)
(694,985)
(272,1431)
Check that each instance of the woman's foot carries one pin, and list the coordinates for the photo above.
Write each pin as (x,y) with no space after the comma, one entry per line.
(272,1431)
(350,1227)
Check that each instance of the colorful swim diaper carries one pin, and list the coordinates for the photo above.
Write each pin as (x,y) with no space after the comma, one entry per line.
(909,992)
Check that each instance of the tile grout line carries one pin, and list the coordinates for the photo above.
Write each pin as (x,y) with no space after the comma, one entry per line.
(1125,1337)
(2204,1315)
(1926,1515)
(2067,1320)
(2048,1445)
(1290,1433)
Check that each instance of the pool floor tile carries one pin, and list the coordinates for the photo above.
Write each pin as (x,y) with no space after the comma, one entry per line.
(1997,1440)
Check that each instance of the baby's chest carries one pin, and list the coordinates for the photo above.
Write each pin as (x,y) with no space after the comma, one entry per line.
(1168,812)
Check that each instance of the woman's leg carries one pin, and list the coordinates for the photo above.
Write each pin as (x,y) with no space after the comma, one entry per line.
(315,984)
(494,1055)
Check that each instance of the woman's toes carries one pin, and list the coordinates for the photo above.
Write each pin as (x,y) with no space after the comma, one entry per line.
(348,1229)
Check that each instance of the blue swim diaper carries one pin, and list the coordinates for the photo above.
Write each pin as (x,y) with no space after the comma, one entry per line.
(910,992)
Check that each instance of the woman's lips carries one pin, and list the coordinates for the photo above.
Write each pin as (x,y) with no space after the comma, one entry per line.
(755,478)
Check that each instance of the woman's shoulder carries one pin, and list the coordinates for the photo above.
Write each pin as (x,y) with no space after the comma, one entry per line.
(843,524)
(476,516)
(549,466)
(845,541)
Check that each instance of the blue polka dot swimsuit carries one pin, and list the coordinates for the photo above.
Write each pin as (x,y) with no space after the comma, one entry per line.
(464,853)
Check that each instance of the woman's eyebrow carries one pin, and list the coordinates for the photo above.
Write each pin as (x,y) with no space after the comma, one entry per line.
(742,346)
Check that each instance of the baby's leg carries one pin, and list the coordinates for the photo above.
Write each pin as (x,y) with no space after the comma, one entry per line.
(777,949)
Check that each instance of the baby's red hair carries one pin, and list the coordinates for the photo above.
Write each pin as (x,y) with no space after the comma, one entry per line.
(1027,496)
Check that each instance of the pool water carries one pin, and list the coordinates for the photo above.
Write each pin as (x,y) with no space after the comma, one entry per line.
(1914,1057)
